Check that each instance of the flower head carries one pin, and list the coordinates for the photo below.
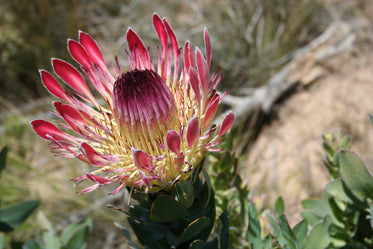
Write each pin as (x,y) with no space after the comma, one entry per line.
(154,124)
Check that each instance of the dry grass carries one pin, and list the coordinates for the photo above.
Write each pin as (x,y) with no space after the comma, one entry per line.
(251,39)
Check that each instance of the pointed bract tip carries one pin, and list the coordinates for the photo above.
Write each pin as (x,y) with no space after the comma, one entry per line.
(53,59)
(81,32)
(129,29)
(227,123)
(47,130)
(67,42)
(155,15)
(192,133)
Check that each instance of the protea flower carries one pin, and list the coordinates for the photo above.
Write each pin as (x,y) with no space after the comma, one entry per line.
(154,124)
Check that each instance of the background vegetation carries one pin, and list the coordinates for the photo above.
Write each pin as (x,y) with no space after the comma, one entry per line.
(252,39)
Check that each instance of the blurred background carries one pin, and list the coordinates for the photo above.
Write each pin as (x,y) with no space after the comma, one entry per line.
(293,68)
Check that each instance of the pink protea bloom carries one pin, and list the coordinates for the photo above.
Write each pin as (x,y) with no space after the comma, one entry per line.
(155,123)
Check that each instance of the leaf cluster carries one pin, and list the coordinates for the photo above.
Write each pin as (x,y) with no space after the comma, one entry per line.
(180,218)
(347,198)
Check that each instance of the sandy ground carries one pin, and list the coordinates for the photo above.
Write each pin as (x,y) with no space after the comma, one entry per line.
(286,159)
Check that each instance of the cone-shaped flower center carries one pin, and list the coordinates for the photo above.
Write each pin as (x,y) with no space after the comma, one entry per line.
(145,109)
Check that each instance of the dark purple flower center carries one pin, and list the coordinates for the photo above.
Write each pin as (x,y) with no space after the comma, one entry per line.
(143,103)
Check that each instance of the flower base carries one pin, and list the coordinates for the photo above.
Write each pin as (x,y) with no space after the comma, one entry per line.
(181,218)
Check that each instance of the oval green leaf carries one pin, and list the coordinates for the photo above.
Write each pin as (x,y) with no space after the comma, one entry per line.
(318,237)
(75,231)
(12,217)
(300,231)
(183,193)
(279,206)
(127,235)
(316,206)
(336,189)
(167,209)
(311,217)
(198,244)
(77,235)
(194,229)
(356,176)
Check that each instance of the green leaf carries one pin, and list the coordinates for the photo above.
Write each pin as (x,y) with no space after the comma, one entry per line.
(338,235)
(311,217)
(337,190)
(226,163)
(314,211)
(338,198)
(209,212)
(326,145)
(1,241)
(128,237)
(12,217)
(32,245)
(371,215)
(224,230)
(145,232)
(317,206)
(300,231)
(204,206)
(222,181)
(194,229)
(198,244)
(3,155)
(346,143)
(51,241)
(356,176)
(183,193)
(268,242)
(138,212)
(255,236)
(318,236)
(273,222)
(363,227)
(69,231)
(279,206)
(167,209)
(336,210)
(172,239)
(75,235)
(286,237)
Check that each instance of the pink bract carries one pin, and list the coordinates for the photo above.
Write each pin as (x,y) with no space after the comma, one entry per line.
(154,122)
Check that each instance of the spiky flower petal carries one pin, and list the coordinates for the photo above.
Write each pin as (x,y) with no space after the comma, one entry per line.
(155,125)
